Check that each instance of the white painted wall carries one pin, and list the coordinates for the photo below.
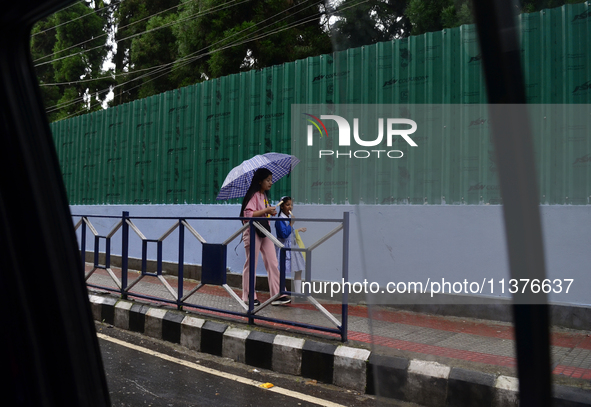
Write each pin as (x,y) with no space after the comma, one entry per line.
(388,243)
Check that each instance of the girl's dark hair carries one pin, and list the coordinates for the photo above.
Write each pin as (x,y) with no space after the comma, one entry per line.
(284,199)
(255,186)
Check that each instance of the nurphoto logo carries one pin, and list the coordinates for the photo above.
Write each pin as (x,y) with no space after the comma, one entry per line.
(344,136)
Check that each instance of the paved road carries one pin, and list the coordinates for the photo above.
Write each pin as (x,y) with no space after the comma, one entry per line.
(146,372)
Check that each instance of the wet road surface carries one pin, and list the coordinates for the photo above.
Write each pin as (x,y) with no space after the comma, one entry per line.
(143,371)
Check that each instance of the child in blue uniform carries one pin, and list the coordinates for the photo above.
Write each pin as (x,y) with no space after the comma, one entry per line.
(286,235)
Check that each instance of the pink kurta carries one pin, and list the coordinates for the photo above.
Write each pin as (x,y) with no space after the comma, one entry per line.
(262,245)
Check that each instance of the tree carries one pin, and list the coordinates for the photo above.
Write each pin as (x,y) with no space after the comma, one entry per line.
(42,44)
(435,15)
(369,22)
(62,56)
(231,37)
(145,40)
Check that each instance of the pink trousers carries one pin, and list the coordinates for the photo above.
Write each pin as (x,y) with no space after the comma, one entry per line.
(267,249)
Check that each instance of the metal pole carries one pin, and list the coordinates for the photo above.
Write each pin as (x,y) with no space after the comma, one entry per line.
(124,253)
(83,244)
(345,305)
(144,257)
(159,258)
(108,252)
(181,265)
(96,251)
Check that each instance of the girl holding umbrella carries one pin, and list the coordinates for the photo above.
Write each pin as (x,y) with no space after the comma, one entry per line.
(256,204)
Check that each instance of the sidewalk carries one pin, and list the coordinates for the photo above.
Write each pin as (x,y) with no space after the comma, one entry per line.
(476,345)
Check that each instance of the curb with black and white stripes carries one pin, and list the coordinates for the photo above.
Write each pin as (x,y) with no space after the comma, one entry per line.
(423,382)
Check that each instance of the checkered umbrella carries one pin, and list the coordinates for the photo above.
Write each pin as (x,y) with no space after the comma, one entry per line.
(238,180)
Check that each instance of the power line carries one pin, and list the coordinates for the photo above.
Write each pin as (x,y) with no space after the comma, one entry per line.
(189,60)
(186,60)
(77,18)
(198,14)
(189,55)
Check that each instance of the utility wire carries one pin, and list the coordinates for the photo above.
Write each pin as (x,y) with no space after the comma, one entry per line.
(189,55)
(186,60)
(189,60)
(302,21)
(77,18)
(118,28)
(196,15)
(164,66)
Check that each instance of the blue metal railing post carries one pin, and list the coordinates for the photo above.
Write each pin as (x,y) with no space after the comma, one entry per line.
(144,257)
(251,272)
(96,251)
(345,304)
(181,262)
(83,244)
(159,258)
(108,252)
(124,252)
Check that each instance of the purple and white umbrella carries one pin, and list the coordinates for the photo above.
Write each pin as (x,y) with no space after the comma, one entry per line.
(238,179)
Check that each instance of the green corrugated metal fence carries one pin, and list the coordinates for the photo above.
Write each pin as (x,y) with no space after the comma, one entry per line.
(177,147)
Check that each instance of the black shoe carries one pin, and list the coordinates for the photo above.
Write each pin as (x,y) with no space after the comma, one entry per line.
(282,300)
(256,302)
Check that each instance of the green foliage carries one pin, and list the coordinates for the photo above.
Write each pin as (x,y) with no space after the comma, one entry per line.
(190,43)
(156,48)
(369,22)
(202,39)
(53,40)
(42,44)
(145,40)
(230,37)
(435,15)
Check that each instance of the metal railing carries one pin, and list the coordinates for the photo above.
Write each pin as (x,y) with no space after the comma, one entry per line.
(213,268)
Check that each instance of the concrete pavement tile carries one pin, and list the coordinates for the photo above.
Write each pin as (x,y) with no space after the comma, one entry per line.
(427,336)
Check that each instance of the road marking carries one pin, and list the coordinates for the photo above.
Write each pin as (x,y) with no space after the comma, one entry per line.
(219,373)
